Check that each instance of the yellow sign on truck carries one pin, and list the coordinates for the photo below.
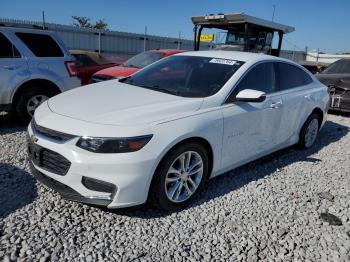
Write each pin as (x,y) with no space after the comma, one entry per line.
(207,38)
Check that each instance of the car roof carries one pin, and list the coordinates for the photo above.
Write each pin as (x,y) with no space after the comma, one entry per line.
(168,51)
(226,20)
(235,55)
(26,30)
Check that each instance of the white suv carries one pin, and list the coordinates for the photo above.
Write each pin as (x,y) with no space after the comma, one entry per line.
(34,66)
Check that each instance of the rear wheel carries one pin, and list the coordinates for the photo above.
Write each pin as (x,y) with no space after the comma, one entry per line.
(309,132)
(180,176)
(29,102)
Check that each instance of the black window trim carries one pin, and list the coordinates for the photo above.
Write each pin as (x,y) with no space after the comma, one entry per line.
(242,77)
(20,55)
(278,90)
(52,35)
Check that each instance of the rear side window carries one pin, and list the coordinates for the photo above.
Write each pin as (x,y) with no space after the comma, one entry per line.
(83,60)
(290,76)
(41,45)
(338,67)
(7,49)
(261,78)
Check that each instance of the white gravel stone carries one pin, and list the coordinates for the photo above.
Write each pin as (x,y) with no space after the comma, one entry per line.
(267,210)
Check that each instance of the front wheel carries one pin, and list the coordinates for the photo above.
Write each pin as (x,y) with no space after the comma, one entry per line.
(309,132)
(180,176)
(29,101)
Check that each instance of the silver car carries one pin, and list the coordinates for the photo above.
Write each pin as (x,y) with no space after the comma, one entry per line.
(34,66)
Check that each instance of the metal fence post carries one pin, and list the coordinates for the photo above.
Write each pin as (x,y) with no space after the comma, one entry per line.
(99,42)
(145,39)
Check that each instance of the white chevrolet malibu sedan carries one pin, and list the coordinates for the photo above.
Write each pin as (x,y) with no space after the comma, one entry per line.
(161,133)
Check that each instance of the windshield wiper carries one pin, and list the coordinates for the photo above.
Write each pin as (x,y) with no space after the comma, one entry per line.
(160,89)
(126,80)
(130,65)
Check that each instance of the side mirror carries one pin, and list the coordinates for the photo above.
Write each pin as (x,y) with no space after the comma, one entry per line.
(250,95)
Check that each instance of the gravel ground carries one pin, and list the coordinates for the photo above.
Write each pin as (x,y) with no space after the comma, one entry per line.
(267,210)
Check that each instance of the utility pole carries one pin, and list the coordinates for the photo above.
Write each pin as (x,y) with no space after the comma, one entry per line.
(145,39)
(179,42)
(43,13)
(273,13)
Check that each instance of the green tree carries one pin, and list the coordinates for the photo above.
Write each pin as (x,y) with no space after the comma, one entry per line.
(81,21)
(85,22)
(100,24)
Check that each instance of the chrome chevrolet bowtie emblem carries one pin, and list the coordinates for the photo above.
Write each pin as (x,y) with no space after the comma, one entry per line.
(33,138)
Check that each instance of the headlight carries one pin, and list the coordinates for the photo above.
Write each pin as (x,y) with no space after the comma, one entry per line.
(113,145)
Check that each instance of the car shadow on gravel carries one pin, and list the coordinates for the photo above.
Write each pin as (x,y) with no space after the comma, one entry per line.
(253,171)
(17,189)
(339,113)
(9,124)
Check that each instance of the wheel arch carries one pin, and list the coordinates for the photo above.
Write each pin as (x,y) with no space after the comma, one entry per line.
(196,139)
(33,83)
(318,111)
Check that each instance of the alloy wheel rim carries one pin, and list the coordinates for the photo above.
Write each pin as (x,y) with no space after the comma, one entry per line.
(311,133)
(184,176)
(34,102)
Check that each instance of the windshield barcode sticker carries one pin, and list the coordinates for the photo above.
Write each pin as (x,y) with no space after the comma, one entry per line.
(222,61)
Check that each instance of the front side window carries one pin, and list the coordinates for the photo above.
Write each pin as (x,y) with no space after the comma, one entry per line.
(290,76)
(41,45)
(338,67)
(261,78)
(7,49)
(187,76)
(144,59)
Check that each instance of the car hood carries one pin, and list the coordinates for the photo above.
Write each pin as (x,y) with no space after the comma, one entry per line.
(118,71)
(115,103)
(341,80)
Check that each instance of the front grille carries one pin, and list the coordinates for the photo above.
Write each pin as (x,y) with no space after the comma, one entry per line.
(55,135)
(48,159)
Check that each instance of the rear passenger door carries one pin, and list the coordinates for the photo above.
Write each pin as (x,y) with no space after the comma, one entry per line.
(12,69)
(295,87)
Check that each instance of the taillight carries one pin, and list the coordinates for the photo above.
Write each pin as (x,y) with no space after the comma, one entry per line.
(71,68)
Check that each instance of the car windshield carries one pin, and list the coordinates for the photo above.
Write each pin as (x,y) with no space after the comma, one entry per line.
(235,38)
(143,59)
(187,76)
(338,67)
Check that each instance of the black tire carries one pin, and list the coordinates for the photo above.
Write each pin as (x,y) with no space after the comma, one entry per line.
(302,142)
(21,106)
(157,196)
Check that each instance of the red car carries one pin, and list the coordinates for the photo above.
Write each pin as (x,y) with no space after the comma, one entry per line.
(88,63)
(134,64)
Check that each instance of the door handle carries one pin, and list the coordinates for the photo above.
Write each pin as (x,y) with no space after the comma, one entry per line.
(276,104)
(307,97)
(11,67)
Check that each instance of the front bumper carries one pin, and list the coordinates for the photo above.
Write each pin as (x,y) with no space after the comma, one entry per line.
(67,192)
(129,173)
(339,103)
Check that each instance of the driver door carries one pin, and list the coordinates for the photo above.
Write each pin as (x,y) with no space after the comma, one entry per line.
(250,127)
